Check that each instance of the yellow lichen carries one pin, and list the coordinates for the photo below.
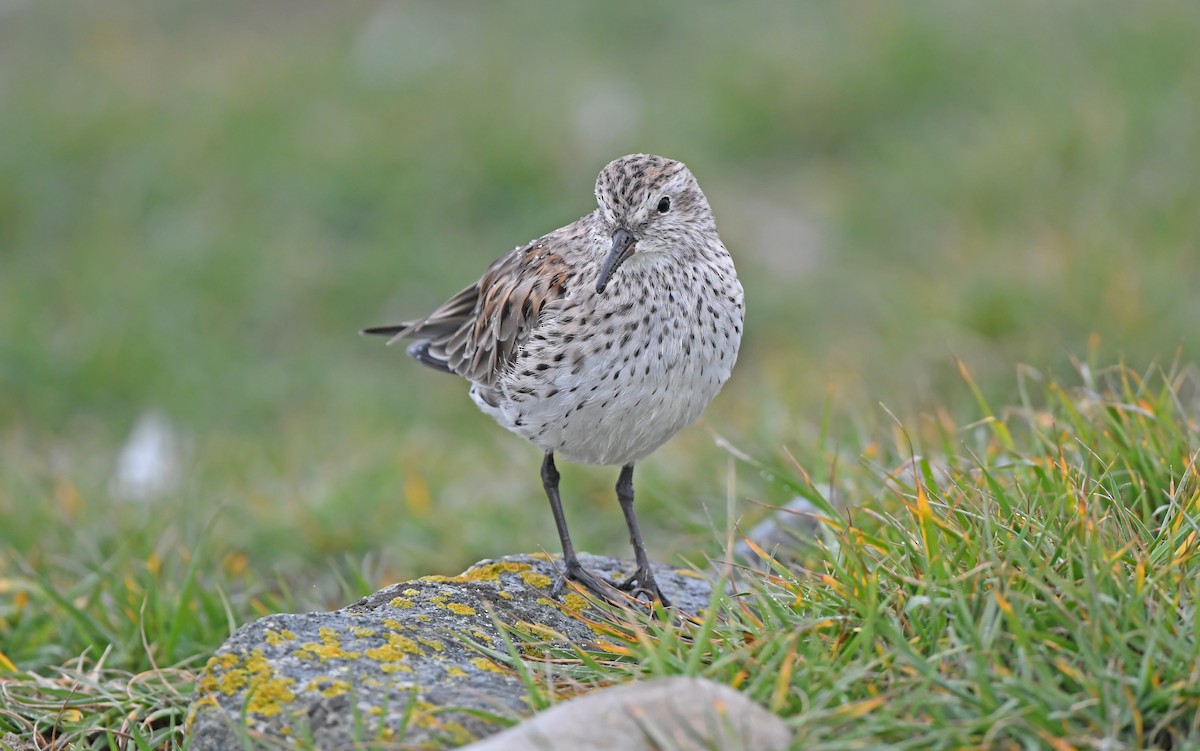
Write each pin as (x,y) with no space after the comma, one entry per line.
(266,693)
(435,578)
(433,644)
(275,638)
(547,602)
(506,595)
(268,697)
(257,663)
(439,599)
(410,592)
(455,671)
(482,636)
(362,632)
(401,602)
(484,663)
(397,648)
(328,649)
(461,609)
(491,571)
(536,580)
(423,618)
(575,602)
(393,624)
(233,681)
(395,667)
(204,702)
(328,686)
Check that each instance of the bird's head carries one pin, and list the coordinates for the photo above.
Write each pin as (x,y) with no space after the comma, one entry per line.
(649,204)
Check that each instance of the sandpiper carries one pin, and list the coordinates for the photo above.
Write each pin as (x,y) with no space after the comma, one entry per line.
(600,340)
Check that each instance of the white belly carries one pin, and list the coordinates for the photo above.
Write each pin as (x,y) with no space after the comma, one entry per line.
(613,398)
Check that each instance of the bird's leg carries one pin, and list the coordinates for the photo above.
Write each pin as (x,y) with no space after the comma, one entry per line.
(573,570)
(643,578)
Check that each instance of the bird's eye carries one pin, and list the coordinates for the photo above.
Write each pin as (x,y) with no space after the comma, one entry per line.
(664,205)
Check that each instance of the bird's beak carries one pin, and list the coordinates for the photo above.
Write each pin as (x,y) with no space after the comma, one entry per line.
(622,247)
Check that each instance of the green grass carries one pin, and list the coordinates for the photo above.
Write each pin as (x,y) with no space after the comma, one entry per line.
(1037,587)
(200,204)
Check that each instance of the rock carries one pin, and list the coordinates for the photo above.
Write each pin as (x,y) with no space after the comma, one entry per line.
(785,535)
(681,714)
(12,742)
(399,665)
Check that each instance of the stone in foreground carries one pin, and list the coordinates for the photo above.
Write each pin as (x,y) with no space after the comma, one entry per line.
(398,666)
(681,714)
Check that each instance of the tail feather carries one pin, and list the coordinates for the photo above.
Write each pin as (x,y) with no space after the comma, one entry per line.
(419,351)
(384,330)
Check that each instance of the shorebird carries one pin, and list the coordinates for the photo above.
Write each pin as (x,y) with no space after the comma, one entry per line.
(600,340)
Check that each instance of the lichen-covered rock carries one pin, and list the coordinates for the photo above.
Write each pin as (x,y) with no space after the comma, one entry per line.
(681,714)
(398,666)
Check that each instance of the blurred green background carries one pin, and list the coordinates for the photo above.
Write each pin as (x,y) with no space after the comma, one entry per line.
(201,203)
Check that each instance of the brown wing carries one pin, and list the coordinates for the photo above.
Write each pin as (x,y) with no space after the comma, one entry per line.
(478,332)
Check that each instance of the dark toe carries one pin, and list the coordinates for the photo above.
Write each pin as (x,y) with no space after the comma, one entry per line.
(590,581)
(643,581)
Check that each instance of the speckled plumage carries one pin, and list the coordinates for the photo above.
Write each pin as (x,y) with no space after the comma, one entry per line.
(600,340)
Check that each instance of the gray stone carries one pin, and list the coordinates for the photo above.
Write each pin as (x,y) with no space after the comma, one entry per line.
(680,714)
(11,742)
(786,535)
(400,665)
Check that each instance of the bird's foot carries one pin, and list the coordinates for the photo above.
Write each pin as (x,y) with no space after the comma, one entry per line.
(574,571)
(641,582)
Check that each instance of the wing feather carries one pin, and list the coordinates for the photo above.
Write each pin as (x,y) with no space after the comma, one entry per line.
(479,332)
